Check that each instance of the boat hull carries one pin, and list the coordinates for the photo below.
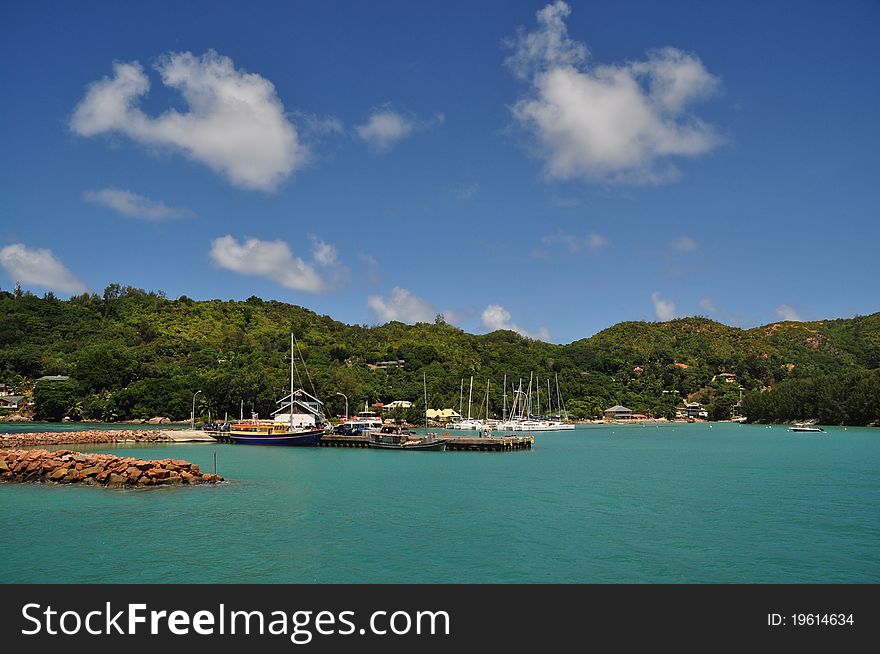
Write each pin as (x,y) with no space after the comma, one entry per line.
(436,446)
(304,438)
(534,426)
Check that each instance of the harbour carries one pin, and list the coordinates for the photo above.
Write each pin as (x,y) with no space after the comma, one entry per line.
(675,503)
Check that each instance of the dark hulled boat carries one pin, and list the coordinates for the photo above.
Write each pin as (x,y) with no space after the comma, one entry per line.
(396,438)
(299,419)
(271,433)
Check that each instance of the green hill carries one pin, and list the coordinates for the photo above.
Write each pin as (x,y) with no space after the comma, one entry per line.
(134,354)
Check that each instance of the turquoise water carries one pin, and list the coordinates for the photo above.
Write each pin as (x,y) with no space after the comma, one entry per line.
(682,503)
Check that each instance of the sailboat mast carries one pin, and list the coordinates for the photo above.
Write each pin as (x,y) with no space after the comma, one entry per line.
(461,399)
(470,397)
(531,374)
(538,395)
(425,384)
(504,405)
(519,398)
(560,401)
(487,400)
(290,407)
(549,400)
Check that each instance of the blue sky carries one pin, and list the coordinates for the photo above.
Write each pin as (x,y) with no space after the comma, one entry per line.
(549,168)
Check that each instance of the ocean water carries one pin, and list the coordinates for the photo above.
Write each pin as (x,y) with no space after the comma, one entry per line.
(678,503)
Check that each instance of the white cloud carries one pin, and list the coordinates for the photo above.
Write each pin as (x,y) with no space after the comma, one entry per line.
(664,309)
(134,205)
(402,306)
(324,253)
(608,123)
(592,242)
(274,260)
(787,312)
(384,129)
(235,123)
(708,305)
(684,244)
(496,317)
(39,267)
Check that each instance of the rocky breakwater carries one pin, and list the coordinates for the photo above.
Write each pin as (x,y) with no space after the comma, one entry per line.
(69,467)
(81,437)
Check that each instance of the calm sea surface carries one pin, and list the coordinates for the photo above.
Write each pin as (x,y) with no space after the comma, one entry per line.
(602,504)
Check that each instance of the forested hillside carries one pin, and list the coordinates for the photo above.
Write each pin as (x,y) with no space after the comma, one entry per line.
(136,354)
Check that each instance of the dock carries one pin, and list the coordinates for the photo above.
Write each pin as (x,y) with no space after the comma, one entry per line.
(188,435)
(453,444)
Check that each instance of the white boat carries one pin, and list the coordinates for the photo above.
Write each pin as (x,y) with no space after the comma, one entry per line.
(365,421)
(535,425)
(521,417)
(467,424)
(802,426)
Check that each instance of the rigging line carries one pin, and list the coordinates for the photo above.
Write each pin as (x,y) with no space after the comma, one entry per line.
(296,370)
(305,367)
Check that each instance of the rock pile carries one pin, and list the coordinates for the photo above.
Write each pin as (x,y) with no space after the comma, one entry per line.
(69,467)
(80,437)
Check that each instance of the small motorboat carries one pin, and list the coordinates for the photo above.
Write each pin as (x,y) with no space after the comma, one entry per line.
(805,427)
(397,438)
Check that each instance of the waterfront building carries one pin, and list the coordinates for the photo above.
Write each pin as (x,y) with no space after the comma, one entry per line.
(443,415)
(696,410)
(10,401)
(618,412)
(397,404)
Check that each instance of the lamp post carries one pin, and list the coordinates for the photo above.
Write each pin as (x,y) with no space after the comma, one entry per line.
(346,404)
(192,421)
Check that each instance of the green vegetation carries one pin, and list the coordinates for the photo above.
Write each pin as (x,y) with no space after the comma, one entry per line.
(134,354)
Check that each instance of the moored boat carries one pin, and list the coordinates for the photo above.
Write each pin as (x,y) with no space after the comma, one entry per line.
(805,427)
(299,419)
(267,432)
(396,438)
(364,422)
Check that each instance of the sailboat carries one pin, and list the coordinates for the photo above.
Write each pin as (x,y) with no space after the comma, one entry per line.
(521,416)
(469,423)
(299,419)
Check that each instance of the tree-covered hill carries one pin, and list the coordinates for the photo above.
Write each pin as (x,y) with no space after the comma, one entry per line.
(136,354)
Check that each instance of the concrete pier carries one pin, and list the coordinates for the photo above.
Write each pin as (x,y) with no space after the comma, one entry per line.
(495,443)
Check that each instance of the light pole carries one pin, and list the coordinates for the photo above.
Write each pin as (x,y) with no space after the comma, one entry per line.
(346,404)
(192,421)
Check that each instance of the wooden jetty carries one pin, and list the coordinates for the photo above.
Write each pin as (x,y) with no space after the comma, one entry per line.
(453,443)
